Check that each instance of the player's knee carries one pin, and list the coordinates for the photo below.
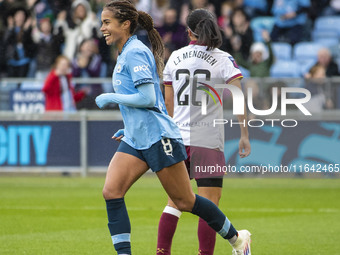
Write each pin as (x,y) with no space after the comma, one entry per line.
(112,193)
(184,205)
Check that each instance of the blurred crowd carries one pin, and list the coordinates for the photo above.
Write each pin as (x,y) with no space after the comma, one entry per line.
(34,33)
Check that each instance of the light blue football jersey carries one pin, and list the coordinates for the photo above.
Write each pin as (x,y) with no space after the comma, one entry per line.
(142,126)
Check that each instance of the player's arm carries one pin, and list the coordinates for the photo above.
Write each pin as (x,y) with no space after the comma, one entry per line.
(144,98)
(244,144)
(169,99)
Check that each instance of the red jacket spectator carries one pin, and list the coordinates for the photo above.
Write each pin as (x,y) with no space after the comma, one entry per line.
(57,97)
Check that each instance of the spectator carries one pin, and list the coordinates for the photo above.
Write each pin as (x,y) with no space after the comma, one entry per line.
(40,9)
(325,59)
(60,5)
(172,32)
(86,64)
(178,5)
(255,8)
(2,55)
(82,24)
(224,21)
(290,21)
(97,7)
(320,94)
(58,89)
(106,51)
(217,6)
(192,5)
(260,60)
(333,8)
(242,33)
(155,8)
(237,3)
(317,8)
(19,45)
(49,47)
(5,7)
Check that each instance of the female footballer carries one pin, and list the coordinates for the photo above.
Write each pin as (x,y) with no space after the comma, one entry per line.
(190,73)
(150,139)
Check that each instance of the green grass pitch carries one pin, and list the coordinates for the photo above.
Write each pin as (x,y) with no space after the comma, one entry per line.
(54,215)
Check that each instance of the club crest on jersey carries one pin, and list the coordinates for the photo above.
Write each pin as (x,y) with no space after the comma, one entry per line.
(234,62)
(117,82)
(140,68)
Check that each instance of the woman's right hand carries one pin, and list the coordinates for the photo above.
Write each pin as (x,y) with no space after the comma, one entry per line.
(118,135)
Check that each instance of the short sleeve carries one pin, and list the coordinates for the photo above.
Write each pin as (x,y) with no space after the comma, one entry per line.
(140,67)
(167,79)
(232,71)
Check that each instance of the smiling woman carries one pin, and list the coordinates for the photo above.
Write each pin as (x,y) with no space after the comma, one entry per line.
(150,138)
(120,20)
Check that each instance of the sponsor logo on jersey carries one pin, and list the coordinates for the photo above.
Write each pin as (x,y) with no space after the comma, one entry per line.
(117,82)
(140,68)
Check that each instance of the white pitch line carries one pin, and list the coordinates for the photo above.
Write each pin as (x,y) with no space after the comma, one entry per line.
(100,208)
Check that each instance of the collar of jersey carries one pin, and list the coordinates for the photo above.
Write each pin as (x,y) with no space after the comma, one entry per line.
(195,43)
(128,41)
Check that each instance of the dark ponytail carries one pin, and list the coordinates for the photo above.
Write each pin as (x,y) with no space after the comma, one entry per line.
(146,22)
(125,10)
(203,25)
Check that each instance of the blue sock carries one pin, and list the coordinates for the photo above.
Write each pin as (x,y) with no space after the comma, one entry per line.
(119,225)
(215,218)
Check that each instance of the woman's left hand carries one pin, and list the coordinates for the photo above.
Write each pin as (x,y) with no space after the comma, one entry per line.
(103,100)
(244,147)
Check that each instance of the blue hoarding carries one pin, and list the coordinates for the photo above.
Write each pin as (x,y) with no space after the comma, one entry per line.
(39,143)
(57,143)
(101,146)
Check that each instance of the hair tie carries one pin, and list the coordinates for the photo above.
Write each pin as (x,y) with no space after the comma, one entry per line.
(192,32)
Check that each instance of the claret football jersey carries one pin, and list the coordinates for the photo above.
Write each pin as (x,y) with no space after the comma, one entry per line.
(194,72)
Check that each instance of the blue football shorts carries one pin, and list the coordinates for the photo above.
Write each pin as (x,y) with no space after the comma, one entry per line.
(164,153)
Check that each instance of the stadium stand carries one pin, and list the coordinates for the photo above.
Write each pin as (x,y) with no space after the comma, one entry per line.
(328,25)
(282,50)
(285,69)
(305,51)
(305,65)
(327,42)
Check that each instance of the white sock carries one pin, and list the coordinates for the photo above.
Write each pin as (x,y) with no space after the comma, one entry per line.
(233,240)
(172,211)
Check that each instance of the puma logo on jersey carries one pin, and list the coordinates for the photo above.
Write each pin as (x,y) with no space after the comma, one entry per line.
(119,68)
(140,68)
